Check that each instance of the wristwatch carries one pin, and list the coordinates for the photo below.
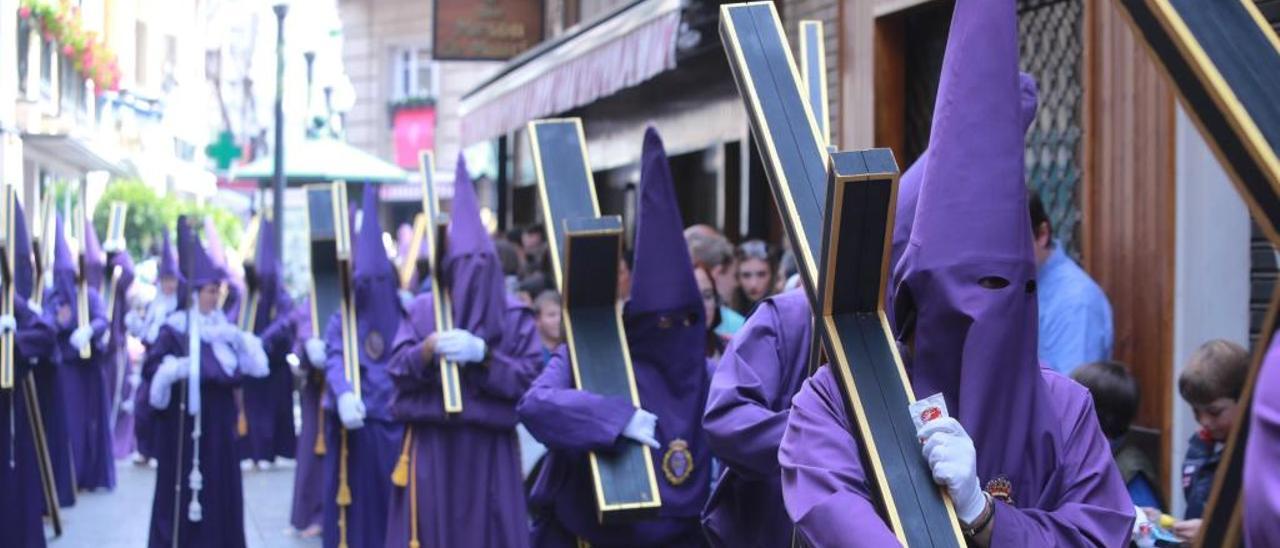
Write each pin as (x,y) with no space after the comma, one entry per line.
(983,520)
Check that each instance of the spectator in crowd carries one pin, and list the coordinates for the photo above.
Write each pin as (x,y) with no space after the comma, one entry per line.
(1075,316)
(530,287)
(511,263)
(711,305)
(1211,383)
(533,240)
(1115,400)
(546,311)
(757,274)
(714,252)
(624,276)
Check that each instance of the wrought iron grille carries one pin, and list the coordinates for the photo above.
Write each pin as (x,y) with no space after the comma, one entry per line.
(1051,50)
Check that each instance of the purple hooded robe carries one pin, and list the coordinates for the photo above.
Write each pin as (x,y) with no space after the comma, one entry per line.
(1262,456)
(268,403)
(226,355)
(21,493)
(158,311)
(968,278)
(761,372)
(465,467)
(85,383)
(666,335)
(122,437)
(95,261)
(308,475)
(373,449)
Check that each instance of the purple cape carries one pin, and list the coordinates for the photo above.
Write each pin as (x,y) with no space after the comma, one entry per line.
(666,336)
(750,398)
(1262,454)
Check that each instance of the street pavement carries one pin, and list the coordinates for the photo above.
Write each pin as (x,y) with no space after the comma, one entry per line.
(120,519)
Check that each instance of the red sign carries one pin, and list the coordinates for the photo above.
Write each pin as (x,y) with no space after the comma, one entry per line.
(415,130)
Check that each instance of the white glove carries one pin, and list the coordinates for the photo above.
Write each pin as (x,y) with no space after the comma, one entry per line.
(35,308)
(80,337)
(351,411)
(127,407)
(954,463)
(406,299)
(316,351)
(171,370)
(642,427)
(457,345)
(8,324)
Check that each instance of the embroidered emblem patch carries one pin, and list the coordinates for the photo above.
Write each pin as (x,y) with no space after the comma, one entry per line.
(1000,488)
(374,345)
(677,463)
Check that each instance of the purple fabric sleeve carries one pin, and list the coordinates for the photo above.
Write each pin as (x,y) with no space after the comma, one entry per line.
(823,482)
(567,419)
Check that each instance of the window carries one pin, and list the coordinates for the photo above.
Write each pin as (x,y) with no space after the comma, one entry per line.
(47,53)
(414,75)
(24,47)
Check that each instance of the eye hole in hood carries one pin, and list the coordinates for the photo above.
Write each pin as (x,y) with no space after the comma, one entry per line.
(993,282)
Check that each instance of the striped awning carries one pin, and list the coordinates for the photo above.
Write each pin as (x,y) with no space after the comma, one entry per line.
(621,50)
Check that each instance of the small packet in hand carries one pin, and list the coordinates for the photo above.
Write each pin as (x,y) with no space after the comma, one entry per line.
(928,409)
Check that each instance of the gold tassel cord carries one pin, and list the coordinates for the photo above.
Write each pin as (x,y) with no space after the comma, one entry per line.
(344,493)
(400,477)
(413,489)
(242,425)
(320,448)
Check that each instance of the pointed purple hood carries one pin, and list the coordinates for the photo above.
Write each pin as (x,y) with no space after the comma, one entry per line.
(969,272)
(909,191)
(168,264)
(666,328)
(663,275)
(199,266)
(64,268)
(95,261)
(23,270)
(376,286)
(475,275)
(266,260)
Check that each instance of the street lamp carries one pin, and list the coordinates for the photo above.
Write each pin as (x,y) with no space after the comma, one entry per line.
(277,195)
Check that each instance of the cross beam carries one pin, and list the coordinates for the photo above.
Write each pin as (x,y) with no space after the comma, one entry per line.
(430,225)
(585,249)
(1224,60)
(838,213)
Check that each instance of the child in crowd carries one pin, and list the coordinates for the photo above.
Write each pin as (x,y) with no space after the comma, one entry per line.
(1115,400)
(1211,384)
(546,310)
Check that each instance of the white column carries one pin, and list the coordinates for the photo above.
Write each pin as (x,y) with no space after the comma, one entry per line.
(1211,295)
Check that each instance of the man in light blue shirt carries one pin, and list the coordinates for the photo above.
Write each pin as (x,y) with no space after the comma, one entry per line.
(1075,316)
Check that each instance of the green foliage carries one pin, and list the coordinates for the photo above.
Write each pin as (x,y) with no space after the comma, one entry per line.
(150,214)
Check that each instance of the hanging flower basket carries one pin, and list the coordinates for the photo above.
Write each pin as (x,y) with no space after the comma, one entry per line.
(60,22)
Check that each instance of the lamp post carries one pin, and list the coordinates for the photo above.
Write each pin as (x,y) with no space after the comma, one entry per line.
(277,180)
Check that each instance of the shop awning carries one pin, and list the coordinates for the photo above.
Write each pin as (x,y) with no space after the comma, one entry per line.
(322,160)
(72,153)
(621,50)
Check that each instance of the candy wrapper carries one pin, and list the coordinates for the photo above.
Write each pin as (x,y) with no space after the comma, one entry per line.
(928,409)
